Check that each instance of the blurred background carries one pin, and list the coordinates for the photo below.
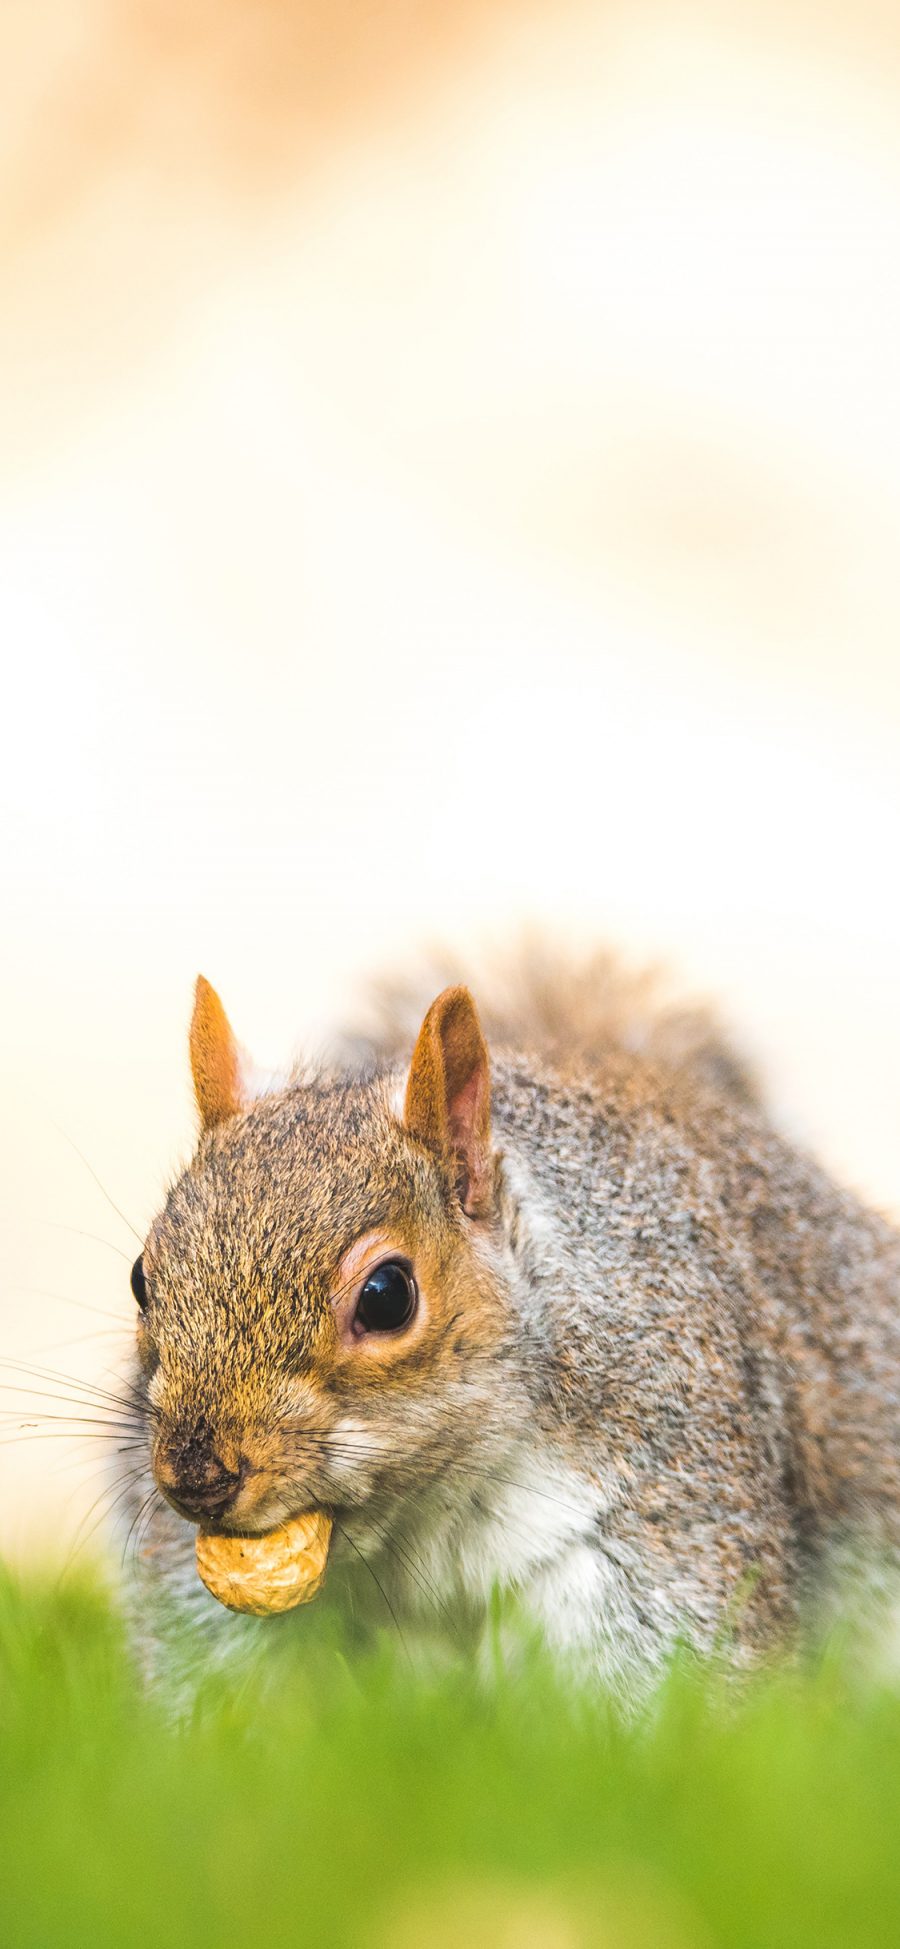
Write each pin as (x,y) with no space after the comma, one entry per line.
(449,478)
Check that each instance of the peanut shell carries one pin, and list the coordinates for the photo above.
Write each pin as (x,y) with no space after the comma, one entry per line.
(269,1573)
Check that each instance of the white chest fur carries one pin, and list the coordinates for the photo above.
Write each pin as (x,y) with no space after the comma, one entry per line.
(532,1527)
(512,1529)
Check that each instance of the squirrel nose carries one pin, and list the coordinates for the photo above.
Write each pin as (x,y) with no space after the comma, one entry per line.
(198,1480)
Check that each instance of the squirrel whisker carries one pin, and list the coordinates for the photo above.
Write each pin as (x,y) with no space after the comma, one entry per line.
(82,1305)
(82,1535)
(98,1181)
(53,1375)
(379,1587)
(75,1231)
(417,1571)
(150,1502)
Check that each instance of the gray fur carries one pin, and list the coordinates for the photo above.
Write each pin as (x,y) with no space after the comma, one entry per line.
(685,1402)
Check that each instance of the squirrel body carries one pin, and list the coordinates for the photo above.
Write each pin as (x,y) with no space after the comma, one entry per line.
(650,1377)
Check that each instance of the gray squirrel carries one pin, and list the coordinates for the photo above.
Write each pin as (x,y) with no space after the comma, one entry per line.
(546,1306)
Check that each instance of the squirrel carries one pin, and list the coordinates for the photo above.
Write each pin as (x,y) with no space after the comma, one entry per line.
(536,1300)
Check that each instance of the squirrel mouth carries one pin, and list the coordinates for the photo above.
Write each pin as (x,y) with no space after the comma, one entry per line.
(255,1528)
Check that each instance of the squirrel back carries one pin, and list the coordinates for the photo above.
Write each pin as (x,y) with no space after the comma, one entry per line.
(570,1318)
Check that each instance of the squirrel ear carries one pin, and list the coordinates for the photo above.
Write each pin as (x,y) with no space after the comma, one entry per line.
(215,1058)
(448,1094)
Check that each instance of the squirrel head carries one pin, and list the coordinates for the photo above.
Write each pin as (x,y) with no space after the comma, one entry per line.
(322,1301)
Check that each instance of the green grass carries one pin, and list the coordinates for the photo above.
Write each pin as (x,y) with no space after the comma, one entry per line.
(329,1801)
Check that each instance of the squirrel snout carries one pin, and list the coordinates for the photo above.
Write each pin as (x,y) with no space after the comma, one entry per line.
(195,1478)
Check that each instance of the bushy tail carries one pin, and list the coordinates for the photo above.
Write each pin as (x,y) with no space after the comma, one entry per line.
(572,1012)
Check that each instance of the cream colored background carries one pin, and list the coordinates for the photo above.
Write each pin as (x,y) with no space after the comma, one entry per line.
(450,474)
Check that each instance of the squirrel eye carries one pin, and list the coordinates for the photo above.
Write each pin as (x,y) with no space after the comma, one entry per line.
(388,1299)
(139,1284)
